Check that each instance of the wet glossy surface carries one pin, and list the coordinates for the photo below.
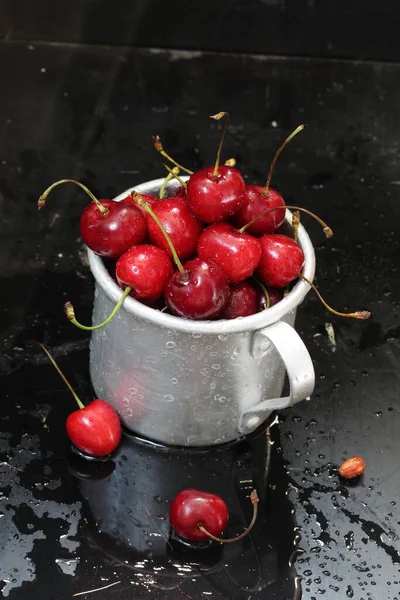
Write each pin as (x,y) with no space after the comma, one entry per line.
(89,113)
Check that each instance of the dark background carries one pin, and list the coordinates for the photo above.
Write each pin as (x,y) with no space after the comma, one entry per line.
(83,86)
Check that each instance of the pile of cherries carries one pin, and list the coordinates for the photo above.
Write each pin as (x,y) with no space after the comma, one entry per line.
(211,251)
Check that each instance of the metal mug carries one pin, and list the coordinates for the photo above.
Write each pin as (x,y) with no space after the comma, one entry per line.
(197,383)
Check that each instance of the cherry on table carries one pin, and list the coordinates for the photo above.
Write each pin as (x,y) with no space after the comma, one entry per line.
(237,253)
(145,269)
(192,507)
(281,260)
(107,227)
(242,301)
(94,429)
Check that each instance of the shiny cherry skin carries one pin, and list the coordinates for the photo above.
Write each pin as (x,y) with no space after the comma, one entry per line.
(281,260)
(274,294)
(256,204)
(242,301)
(179,222)
(237,253)
(95,429)
(200,292)
(145,269)
(214,199)
(112,233)
(191,508)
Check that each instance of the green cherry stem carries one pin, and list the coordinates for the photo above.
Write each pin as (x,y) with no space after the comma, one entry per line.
(327,230)
(175,174)
(43,197)
(254,501)
(165,182)
(70,313)
(61,374)
(359,314)
(264,291)
(217,117)
(141,202)
(277,154)
(159,147)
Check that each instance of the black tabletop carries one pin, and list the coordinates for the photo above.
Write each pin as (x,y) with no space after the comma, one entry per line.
(68,526)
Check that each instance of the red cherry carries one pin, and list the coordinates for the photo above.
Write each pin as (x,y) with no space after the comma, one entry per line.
(95,429)
(215,198)
(281,260)
(179,222)
(242,301)
(275,296)
(110,234)
(146,270)
(201,291)
(191,508)
(257,203)
(237,253)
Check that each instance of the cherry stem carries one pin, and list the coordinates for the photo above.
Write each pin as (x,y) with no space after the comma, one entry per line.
(254,501)
(70,313)
(295,225)
(327,230)
(168,178)
(43,197)
(264,291)
(61,374)
(217,117)
(176,175)
(277,154)
(159,147)
(359,314)
(141,202)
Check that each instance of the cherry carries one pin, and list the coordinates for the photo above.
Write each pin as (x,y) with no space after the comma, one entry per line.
(281,260)
(259,199)
(200,291)
(274,296)
(191,507)
(242,301)
(216,193)
(108,228)
(146,270)
(180,224)
(200,516)
(94,429)
(237,253)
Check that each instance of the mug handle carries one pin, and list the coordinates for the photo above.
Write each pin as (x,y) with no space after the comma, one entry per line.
(298,366)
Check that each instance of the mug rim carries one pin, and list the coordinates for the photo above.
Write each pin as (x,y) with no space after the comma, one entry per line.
(217,327)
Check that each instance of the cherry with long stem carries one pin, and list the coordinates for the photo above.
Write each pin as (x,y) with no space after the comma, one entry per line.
(70,313)
(254,500)
(159,147)
(359,314)
(57,368)
(277,154)
(141,202)
(326,229)
(42,200)
(217,117)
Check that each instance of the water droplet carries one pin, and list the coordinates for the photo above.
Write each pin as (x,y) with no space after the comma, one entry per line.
(133,391)
(174,381)
(216,367)
(223,337)
(170,344)
(169,398)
